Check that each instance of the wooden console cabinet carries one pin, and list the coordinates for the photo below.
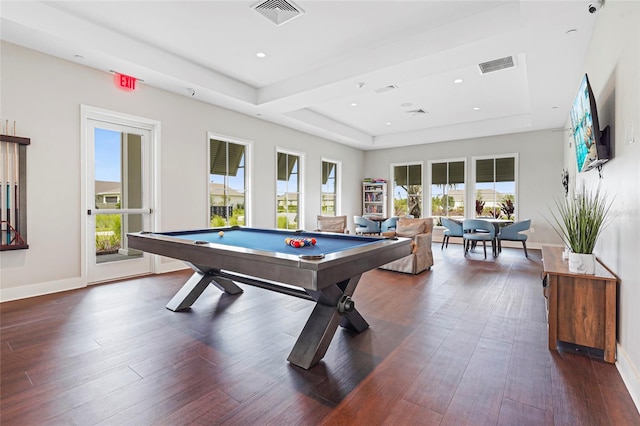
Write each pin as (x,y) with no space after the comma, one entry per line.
(582,308)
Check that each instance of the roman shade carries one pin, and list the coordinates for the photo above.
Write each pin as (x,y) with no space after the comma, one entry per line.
(495,170)
(408,175)
(450,173)
(225,157)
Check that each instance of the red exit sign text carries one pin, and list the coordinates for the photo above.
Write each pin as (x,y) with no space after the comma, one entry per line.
(126,81)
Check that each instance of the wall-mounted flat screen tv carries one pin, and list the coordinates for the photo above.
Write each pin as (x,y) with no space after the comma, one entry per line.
(592,145)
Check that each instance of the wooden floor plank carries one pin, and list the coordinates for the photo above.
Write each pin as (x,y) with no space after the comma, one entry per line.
(462,343)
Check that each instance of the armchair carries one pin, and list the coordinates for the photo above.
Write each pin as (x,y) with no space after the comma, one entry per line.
(332,224)
(421,257)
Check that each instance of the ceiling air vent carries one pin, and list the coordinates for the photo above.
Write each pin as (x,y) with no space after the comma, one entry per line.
(496,65)
(386,88)
(278,11)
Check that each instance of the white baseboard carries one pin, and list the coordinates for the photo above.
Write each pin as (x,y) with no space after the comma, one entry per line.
(162,268)
(49,287)
(40,289)
(629,375)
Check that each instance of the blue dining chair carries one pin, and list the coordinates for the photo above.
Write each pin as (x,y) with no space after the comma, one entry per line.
(454,229)
(475,230)
(365,226)
(512,233)
(389,224)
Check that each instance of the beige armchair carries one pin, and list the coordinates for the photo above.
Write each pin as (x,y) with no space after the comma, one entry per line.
(421,257)
(332,224)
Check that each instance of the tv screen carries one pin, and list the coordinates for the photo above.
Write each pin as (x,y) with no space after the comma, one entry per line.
(590,142)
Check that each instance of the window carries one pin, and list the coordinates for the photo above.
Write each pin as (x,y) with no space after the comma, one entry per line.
(447,189)
(407,189)
(329,202)
(495,191)
(288,191)
(227,182)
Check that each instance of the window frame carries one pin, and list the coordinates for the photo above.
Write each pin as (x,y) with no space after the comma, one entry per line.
(466,181)
(471,194)
(248,171)
(392,185)
(301,170)
(338,185)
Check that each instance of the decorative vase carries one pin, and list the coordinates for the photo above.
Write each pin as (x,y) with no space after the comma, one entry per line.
(581,263)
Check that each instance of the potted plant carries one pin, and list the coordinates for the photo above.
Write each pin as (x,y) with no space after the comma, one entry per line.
(579,221)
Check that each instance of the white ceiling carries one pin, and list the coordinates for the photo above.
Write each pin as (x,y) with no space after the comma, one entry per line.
(316,62)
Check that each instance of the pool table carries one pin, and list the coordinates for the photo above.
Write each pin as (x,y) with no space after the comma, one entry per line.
(327,272)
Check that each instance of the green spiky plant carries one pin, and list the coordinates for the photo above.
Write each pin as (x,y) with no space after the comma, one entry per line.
(580,220)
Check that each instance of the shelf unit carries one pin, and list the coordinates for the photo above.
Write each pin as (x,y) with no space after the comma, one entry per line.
(374,199)
(13,208)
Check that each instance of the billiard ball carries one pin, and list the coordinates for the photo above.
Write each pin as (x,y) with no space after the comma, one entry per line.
(221,234)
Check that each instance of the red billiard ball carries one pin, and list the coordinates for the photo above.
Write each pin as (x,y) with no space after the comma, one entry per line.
(313,241)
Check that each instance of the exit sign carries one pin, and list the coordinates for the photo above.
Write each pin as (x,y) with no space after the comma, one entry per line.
(126,81)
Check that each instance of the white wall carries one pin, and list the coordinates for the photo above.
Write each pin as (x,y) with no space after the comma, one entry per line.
(539,171)
(43,95)
(613,66)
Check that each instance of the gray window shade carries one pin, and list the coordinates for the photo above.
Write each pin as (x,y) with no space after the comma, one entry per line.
(286,163)
(408,175)
(505,169)
(456,172)
(447,173)
(415,174)
(439,174)
(327,169)
(484,170)
(218,157)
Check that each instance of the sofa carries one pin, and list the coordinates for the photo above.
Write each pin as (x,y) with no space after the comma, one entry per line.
(421,257)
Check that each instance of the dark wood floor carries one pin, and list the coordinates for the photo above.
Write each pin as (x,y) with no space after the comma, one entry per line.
(464,343)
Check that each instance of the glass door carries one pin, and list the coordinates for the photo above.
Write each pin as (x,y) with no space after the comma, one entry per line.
(118,196)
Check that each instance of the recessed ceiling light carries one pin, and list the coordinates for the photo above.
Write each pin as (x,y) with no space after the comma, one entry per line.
(572,31)
(261,55)
(360,85)
(406,104)
(388,123)
(476,108)
(457,81)
(78,57)
(353,104)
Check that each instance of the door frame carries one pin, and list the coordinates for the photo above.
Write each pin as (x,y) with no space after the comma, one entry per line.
(153,127)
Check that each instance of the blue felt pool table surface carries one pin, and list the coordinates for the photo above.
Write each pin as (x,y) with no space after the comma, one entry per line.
(273,240)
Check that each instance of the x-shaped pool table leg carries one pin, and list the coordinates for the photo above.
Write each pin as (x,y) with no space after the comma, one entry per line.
(314,340)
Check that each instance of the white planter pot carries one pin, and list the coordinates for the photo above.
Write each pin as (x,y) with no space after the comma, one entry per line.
(580,263)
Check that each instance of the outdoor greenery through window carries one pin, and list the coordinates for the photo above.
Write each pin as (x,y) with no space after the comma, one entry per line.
(447,189)
(495,187)
(227,183)
(329,188)
(407,190)
(288,190)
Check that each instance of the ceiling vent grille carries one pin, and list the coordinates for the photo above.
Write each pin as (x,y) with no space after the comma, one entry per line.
(496,65)
(386,88)
(278,11)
